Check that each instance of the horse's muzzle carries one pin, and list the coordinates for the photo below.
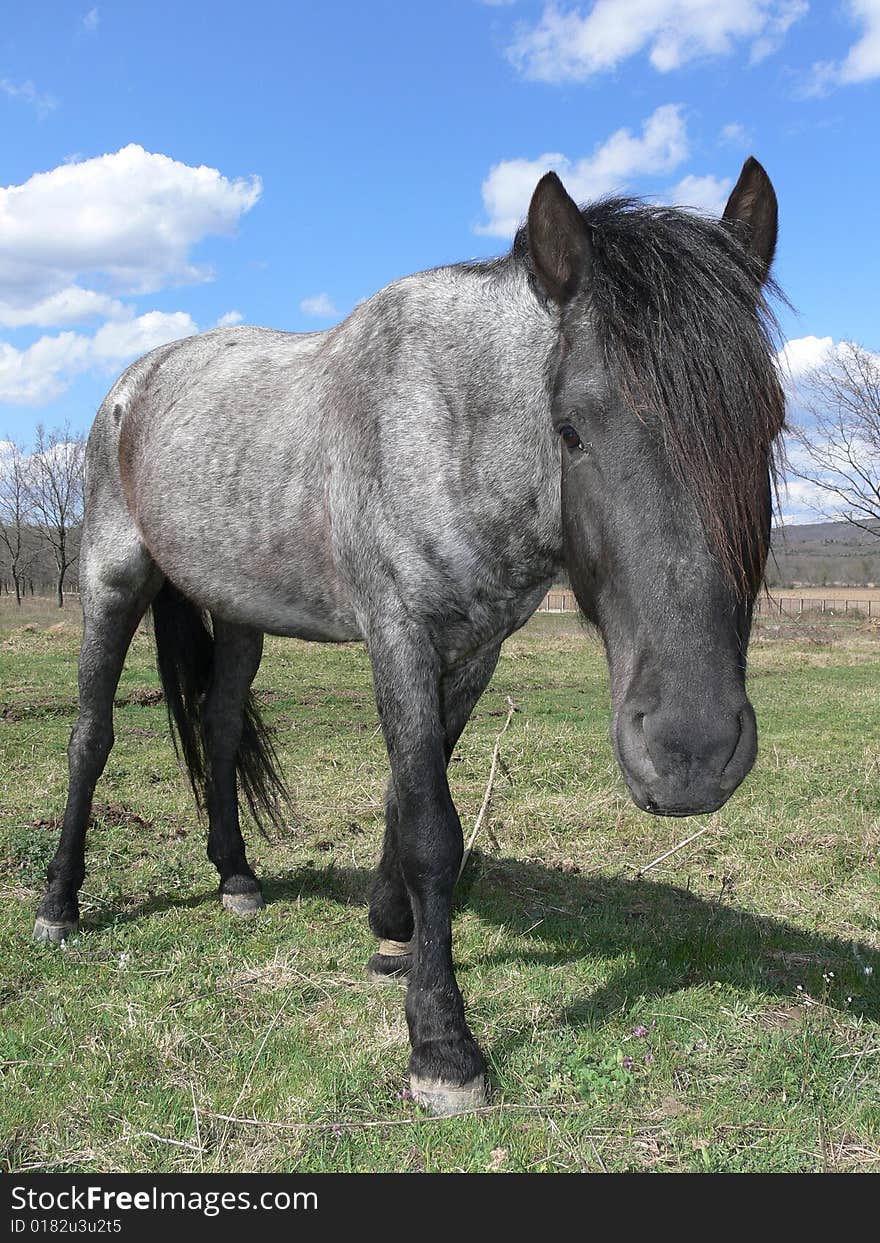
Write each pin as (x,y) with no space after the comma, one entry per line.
(681,765)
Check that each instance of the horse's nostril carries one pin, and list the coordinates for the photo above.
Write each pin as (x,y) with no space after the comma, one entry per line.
(740,722)
(743,755)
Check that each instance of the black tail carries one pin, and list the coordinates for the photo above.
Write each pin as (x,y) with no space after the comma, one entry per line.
(185,655)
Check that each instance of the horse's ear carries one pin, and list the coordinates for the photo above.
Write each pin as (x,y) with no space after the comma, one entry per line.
(558,241)
(753,213)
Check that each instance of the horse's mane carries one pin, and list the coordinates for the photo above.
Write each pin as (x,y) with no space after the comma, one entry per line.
(686,327)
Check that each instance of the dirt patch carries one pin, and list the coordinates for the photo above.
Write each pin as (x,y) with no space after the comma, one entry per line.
(110,813)
(144,696)
(118,814)
(42,708)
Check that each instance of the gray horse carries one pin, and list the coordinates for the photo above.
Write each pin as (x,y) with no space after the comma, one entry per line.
(601,399)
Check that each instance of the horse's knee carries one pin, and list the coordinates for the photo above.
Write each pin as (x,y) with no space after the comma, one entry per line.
(91,741)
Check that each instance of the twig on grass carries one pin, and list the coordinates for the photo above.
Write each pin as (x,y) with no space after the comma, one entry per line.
(681,845)
(163,1139)
(414,1120)
(192,1088)
(244,1087)
(484,806)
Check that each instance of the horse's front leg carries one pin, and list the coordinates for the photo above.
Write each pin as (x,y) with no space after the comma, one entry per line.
(446,1066)
(391,916)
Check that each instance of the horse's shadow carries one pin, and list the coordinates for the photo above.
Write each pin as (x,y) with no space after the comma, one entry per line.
(664,938)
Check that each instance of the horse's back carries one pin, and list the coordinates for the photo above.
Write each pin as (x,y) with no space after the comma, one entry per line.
(217,455)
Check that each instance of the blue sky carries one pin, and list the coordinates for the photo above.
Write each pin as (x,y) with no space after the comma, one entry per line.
(167,165)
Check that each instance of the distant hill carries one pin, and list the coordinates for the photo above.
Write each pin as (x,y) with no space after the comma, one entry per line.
(820,554)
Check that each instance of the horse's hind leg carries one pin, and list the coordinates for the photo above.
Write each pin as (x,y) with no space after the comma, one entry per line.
(118,580)
(391,917)
(237,654)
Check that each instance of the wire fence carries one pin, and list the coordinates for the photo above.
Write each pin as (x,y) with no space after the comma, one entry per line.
(561,601)
(795,606)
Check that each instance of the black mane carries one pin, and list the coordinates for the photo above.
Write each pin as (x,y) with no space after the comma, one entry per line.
(685,325)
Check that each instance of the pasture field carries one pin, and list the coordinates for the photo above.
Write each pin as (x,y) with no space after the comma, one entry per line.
(720,1011)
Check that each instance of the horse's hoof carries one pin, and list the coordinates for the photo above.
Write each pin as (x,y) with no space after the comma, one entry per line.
(445,1099)
(54,931)
(389,969)
(242,903)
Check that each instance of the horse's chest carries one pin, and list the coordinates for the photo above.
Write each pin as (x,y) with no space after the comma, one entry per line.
(466,623)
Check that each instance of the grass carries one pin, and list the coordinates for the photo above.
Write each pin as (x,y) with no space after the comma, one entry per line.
(720,1012)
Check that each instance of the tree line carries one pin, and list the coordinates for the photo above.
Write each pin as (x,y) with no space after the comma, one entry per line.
(41,505)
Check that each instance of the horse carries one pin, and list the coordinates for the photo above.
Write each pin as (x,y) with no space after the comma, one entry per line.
(601,400)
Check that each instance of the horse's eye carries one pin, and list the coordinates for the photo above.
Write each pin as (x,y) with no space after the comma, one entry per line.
(570,438)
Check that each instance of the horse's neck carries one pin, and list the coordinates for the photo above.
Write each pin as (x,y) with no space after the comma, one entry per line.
(502,368)
(462,363)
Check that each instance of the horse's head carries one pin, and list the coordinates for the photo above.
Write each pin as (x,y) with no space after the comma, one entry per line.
(667,404)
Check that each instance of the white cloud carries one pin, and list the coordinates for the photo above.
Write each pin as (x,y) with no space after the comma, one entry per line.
(734,134)
(781,18)
(91,20)
(568,45)
(114,343)
(42,371)
(229,319)
(802,355)
(662,146)
(130,218)
(68,306)
(862,61)
(799,358)
(320,306)
(800,501)
(27,92)
(707,194)
(127,221)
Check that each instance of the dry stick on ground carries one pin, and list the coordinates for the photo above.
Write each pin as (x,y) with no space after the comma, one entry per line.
(414,1119)
(247,1079)
(192,1088)
(681,845)
(493,768)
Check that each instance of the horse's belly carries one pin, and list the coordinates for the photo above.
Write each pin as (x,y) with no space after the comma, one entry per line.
(275,605)
(255,574)
(296,617)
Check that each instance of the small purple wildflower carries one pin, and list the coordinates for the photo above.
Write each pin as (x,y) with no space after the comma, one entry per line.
(627,1063)
(640,1031)
(337,1131)
(405,1095)
(649,1059)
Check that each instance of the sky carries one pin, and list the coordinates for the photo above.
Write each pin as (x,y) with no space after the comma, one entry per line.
(168,167)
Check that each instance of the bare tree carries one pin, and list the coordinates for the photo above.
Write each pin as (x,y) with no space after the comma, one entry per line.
(14,508)
(840,453)
(55,490)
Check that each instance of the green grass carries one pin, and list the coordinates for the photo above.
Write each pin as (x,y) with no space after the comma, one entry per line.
(751,958)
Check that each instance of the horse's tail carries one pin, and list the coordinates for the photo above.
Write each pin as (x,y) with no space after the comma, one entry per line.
(185,656)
